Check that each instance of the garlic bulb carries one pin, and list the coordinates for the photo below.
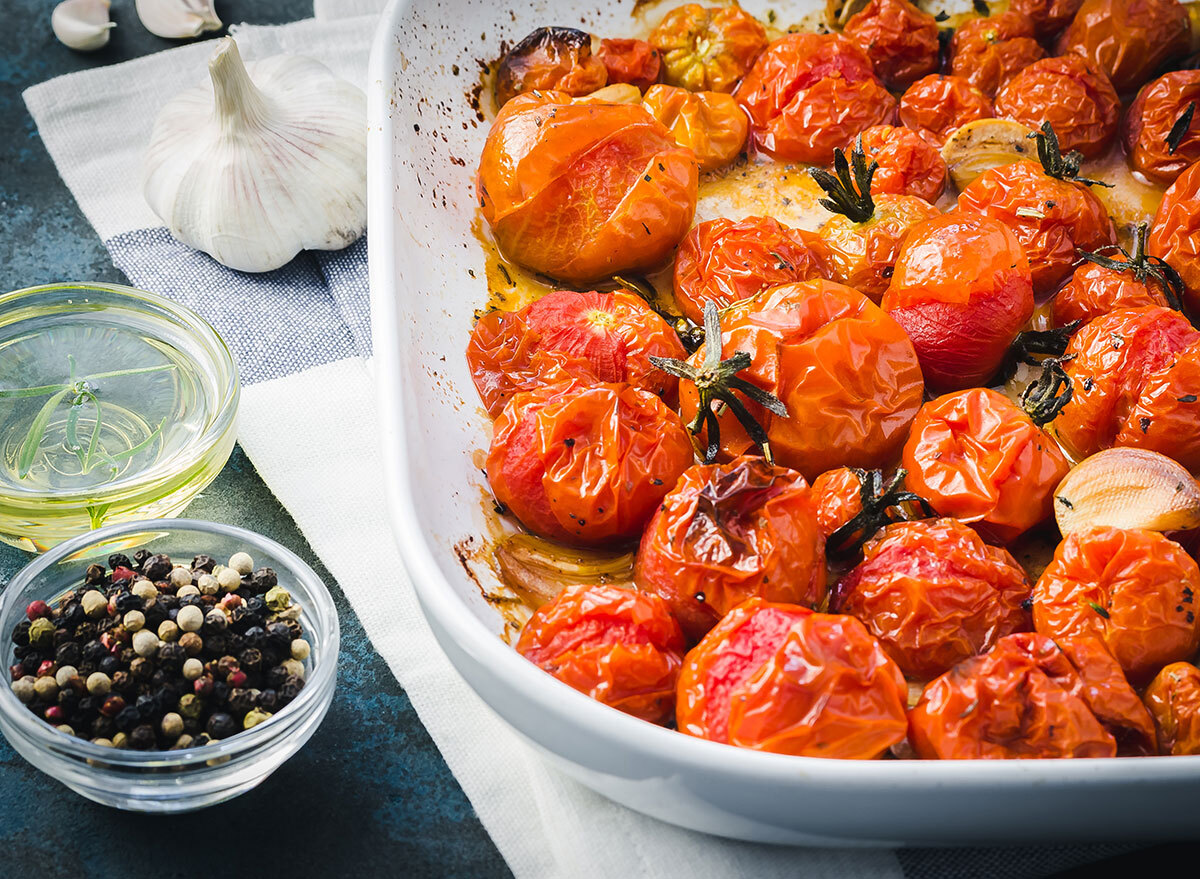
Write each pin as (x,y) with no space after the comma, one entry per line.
(82,24)
(178,19)
(266,162)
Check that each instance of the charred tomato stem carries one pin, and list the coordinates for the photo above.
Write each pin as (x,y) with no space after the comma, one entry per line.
(689,334)
(1141,265)
(849,189)
(1055,164)
(882,504)
(1046,395)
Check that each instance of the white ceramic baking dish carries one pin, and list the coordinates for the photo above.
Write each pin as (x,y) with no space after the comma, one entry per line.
(426,281)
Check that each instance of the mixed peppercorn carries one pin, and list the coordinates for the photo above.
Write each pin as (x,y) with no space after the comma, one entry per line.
(154,655)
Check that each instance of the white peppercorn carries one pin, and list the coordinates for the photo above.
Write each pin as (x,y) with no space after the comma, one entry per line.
(65,675)
(300,649)
(172,725)
(185,591)
(190,618)
(241,562)
(46,688)
(144,589)
(103,742)
(94,603)
(207,584)
(134,620)
(99,684)
(184,741)
(181,577)
(192,668)
(168,630)
(229,580)
(67,728)
(294,667)
(23,688)
(145,643)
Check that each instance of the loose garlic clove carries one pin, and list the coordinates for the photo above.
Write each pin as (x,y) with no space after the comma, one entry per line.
(266,161)
(178,19)
(1127,488)
(985,144)
(538,570)
(617,93)
(82,25)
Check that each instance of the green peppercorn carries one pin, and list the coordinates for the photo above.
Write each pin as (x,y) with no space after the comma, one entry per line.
(190,705)
(41,633)
(278,598)
(254,717)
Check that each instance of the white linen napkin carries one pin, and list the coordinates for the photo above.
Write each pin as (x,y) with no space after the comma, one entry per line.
(308,424)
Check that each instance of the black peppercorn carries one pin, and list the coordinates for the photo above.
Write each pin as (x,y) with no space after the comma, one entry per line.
(204,563)
(68,653)
(290,689)
(234,643)
(142,737)
(169,602)
(215,644)
(268,700)
(262,580)
(139,558)
(86,632)
(155,614)
(127,718)
(157,567)
(103,728)
(276,676)
(197,600)
(109,664)
(221,725)
(122,680)
(88,705)
(250,659)
(94,574)
(22,652)
(240,701)
(255,636)
(127,601)
(147,706)
(171,655)
(68,699)
(279,635)
(127,655)
(220,691)
(119,560)
(72,615)
(29,665)
(20,633)
(106,624)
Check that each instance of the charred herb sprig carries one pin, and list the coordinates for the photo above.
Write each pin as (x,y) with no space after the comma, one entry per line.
(882,504)
(1180,129)
(849,189)
(717,380)
(1046,395)
(1142,266)
(1055,164)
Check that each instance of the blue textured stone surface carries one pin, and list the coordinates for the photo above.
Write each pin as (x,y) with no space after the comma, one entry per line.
(369,795)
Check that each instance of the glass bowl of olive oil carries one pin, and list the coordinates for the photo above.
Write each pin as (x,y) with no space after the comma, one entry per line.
(115,404)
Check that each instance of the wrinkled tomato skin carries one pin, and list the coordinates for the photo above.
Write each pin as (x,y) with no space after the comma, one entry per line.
(780,678)
(934,593)
(707,48)
(1148,122)
(1030,697)
(938,105)
(908,164)
(1095,290)
(1128,39)
(988,52)
(586,465)
(1071,217)
(596,337)
(584,191)
(962,289)
(711,124)
(550,58)
(1143,584)
(975,455)
(631,61)
(810,94)
(846,372)
(1173,698)
(838,495)
(1175,234)
(1073,96)
(729,532)
(619,646)
(862,255)
(1048,16)
(901,40)
(726,262)
(1114,360)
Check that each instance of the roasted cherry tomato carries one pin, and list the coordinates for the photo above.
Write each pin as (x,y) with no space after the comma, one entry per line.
(1173,698)
(1135,372)
(1032,696)
(728,532)
(809,94)
(977,456)
(962,289)
(1131,589)
(908,164)
(846,372)
(1128,39)
(1052,218)
(901,40)
(586,464)
(1048,16)
(863,254)
(632,61)
(1110,280)
(937,106)
(605,337)
(1154,141)
(934,593)
(710,124)
(778,677)
(707,48)
(557,58)
(988,52)
(838,495)
(1069,93)
(725,262)
(619,646)
(1175,234)
(584,191)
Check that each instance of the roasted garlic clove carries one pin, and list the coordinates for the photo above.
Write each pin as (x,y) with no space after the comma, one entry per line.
(984,144)
(538,570)
(82,25)
(178,19)
(617,93)
(1127,488)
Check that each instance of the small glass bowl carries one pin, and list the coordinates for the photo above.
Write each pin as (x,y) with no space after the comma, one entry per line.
(154,425)
(190,778)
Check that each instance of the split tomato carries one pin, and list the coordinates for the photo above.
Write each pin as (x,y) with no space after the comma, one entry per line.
(934,593)
(711,124)
(1173,698)
(938,105)
(1162,130)
(988,52)
(1071,95)
(586,464)
(1131,589)
(809,94)
(781,678)
(962,289)
(707,48)
(558,58)
(728,532)
(584,191)
(630,61)
(619,646)
(1128,39)
(593,337)
(977,456)
(907,163)
(1175,234)
(724,262)
(1032,696)
(901,40)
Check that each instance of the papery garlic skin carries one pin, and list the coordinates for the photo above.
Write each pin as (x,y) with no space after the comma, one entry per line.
(178,19)
(253,172)
(82,25)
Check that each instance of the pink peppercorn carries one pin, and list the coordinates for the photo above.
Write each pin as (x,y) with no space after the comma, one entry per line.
(121,573)
(37,609)
(16,672)
(46,668)
(236,678)
(203,686)
(55,714)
